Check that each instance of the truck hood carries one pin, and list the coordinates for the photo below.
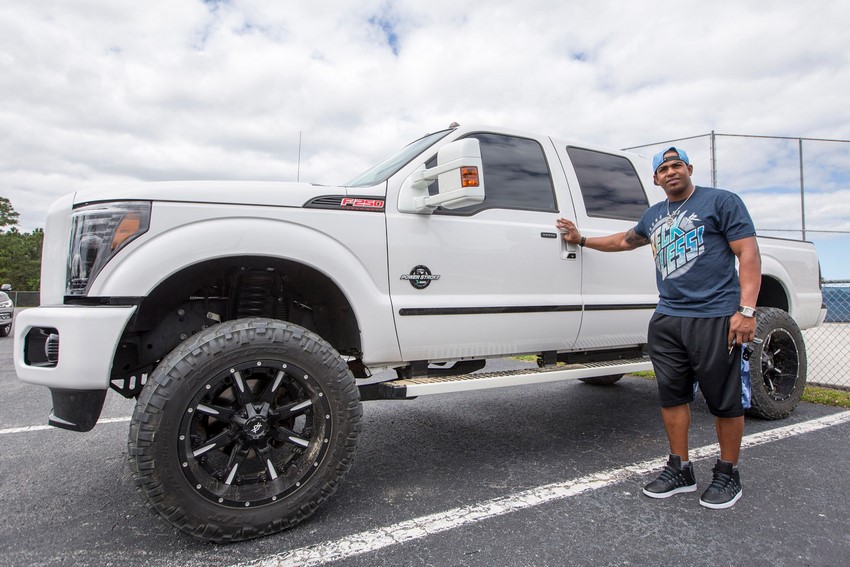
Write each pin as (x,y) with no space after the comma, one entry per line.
(273,193)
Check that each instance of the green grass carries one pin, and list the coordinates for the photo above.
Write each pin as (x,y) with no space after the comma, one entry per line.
(826,396)
(644,374)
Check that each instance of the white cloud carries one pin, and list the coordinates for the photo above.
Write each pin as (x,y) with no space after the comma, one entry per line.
(100,92)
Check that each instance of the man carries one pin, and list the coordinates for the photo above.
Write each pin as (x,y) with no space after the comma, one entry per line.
(705,314)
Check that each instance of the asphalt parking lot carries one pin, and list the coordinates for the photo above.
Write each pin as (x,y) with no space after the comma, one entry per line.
(539,475)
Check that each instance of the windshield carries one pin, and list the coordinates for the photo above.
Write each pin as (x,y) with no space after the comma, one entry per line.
(381,172)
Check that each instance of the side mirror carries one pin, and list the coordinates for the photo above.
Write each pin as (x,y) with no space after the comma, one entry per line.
(6,287)
(460,173)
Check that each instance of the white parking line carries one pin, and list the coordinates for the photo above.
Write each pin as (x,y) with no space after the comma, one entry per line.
(379,538)
(32,428)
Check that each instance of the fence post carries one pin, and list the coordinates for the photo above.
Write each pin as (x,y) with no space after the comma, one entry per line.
(802,190)
(713,160)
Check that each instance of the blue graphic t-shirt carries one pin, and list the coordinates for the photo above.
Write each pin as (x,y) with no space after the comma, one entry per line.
(695,267)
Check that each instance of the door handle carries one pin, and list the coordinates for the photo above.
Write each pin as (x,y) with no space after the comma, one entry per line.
(570,251)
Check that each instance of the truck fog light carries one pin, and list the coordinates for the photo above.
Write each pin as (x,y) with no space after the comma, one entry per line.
(41,347)
(51,349)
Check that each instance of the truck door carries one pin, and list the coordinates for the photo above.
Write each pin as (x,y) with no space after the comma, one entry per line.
(618,289)
(493,278)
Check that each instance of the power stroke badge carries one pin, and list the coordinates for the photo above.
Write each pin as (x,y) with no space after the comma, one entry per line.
(420,277)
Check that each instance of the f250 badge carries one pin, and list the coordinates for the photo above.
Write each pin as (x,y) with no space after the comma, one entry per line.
(420,277)
(361,203)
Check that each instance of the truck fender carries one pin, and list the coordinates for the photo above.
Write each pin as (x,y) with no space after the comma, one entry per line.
(800,301)
(149,261)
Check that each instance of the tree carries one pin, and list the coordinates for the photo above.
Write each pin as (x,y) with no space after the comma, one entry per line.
(20,253)
(20,259)
(8,215)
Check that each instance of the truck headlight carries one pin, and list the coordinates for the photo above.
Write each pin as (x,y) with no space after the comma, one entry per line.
(98,232)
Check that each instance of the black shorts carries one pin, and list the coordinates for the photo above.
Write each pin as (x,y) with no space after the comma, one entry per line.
(685,350)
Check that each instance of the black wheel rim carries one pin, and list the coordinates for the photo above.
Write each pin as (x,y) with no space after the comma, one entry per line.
(780,363)
(254,433)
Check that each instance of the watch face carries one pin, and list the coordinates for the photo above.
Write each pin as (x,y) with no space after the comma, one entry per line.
(747,311)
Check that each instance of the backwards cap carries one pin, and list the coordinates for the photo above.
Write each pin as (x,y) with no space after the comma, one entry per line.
(659,158)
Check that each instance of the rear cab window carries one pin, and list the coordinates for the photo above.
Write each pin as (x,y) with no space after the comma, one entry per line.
(610,186)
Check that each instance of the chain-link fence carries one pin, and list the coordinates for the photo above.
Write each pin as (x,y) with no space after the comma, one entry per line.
(796,188)
(24,298)
(829,344)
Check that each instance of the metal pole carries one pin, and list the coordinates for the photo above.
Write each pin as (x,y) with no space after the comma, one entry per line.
(713,161)
(298,174)
(802,190)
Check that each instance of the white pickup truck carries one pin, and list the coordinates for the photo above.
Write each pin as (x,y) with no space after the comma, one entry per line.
(245,317)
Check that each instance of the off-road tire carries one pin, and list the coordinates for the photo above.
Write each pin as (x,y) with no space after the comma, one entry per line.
(602,380)
(777,365)
(244,430)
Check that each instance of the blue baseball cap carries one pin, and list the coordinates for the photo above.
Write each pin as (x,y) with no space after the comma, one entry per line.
(659,158)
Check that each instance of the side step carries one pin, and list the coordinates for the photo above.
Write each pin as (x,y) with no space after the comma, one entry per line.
(412,387)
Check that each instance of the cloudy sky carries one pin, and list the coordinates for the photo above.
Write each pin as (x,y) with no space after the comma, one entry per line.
(98,92)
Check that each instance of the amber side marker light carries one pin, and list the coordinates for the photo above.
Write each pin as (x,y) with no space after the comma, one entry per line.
(469,177)
(128,226)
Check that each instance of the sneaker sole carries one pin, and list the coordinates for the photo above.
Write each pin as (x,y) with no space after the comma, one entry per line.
(669,493)
(722,505)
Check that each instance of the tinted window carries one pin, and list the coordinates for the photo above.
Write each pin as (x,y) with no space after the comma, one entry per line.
(609,184)
(516,176)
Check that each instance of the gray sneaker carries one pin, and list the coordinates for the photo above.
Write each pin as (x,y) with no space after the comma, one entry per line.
(673,479)
(725,488)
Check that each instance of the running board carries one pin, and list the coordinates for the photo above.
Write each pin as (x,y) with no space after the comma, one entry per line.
(412,387)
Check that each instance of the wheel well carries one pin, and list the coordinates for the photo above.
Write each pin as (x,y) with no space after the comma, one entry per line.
(229,288)
(772,294)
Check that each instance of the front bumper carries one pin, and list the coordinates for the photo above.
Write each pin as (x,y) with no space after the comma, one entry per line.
(87,340)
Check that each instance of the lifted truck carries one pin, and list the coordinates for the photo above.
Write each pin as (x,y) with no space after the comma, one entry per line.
(244,316)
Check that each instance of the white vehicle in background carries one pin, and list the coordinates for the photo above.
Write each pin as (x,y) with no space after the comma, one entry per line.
(7,311)
(244,316)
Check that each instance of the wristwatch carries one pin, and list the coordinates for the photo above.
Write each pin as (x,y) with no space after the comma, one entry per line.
(747,311)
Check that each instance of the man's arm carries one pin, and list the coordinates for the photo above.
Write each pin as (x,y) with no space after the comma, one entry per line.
(743,329)
(617,242)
